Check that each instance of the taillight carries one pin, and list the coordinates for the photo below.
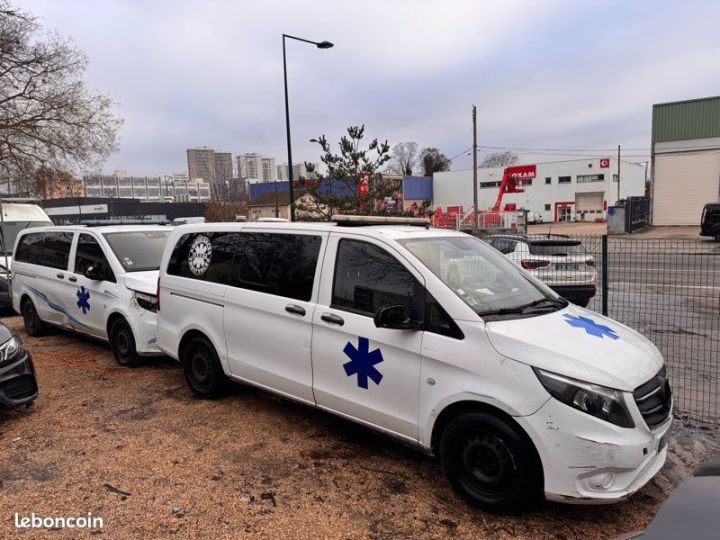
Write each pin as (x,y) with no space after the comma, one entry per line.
(158,294)
(534,265)
(590,262)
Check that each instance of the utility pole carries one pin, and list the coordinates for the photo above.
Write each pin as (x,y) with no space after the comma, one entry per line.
(618,173)
(475,183)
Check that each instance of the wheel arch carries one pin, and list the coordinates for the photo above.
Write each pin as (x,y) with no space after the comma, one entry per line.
(188,336)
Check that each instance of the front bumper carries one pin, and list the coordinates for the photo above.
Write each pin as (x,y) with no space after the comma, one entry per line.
(589,461)
(17,381)
(575,293)
(144,326)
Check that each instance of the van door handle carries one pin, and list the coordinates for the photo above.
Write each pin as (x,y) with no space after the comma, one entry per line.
(333,319)
(297,310)
(59,276)
(72,278)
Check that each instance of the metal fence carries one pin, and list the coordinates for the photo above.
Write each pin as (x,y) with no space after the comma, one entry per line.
(669,290)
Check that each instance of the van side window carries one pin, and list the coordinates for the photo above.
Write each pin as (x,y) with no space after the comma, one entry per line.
(30,248)
(56,250)
(90,253)
(368,277)
(438,321)
(205,256)
(279,264)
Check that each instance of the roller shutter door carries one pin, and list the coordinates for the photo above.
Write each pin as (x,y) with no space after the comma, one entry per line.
(589,202)
(684,182)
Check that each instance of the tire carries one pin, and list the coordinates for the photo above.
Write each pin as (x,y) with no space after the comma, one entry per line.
(122,342)
(490,463)
(34,326)
(203,371)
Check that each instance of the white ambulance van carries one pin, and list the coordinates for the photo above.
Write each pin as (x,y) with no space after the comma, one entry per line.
(99,281)
(518,392)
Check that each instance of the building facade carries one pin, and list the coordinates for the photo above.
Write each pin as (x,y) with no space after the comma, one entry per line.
(299,171)
(179,188)
(685,160)
(256,168)
(554,191)
(223,167)
(201,163)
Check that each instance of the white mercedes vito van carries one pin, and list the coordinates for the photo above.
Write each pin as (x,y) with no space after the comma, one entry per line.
(100,281)
(517,391)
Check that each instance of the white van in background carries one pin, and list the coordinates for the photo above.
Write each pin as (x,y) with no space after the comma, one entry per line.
(99,281)
(15,218)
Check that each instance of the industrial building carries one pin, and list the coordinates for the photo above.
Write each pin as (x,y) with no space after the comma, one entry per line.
(568,190)
(685,159)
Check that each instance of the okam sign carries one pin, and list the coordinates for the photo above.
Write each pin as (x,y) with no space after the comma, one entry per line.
(521,172)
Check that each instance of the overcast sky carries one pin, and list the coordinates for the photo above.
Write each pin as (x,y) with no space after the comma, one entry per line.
(544,74)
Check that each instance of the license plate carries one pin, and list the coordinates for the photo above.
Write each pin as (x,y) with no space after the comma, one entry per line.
(567,266)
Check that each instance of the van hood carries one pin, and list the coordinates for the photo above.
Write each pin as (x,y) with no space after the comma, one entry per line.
(144,282)
(581,344)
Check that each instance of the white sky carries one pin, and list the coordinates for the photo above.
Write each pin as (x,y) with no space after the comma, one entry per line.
(550,74)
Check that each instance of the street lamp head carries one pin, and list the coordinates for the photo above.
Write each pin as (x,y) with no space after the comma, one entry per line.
(324,45)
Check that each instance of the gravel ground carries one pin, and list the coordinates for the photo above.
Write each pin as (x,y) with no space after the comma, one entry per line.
(246,465)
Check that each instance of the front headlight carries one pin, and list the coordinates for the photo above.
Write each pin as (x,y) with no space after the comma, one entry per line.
(146,301)
(9,349)
(599,401)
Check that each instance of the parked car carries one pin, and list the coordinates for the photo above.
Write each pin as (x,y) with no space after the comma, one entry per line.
(691,510)
(17,373)
(16,217)
(98,281)
(518,392)
(558,260)
(710,221)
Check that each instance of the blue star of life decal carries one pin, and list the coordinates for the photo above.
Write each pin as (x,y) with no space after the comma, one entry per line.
(362,362)
(590,326)
(83,297)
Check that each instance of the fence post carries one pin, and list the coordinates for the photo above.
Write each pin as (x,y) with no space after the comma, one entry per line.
(604,276)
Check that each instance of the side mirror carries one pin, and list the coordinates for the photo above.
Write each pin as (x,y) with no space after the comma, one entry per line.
(396,316)
(92,272)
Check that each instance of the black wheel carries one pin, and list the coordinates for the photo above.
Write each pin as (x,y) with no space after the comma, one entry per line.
(34,326)
(122,343)
(203,371)
(490,463)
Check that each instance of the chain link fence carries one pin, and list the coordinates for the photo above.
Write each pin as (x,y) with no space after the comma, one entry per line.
(669,290)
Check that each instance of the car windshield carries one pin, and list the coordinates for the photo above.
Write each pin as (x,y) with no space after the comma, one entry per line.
(483,278)
(138,251)
(10,230)
(556,248)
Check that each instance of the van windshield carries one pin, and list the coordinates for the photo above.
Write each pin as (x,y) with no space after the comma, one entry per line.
(138,251)
(10,230)
(483,278)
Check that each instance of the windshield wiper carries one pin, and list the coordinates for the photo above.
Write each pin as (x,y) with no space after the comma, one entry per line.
(541,304)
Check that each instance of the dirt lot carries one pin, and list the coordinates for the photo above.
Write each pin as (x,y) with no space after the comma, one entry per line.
(246,465)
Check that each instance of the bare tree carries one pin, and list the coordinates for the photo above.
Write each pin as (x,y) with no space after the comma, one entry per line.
(433,160)
(499,159)
(404,158)
(49,120)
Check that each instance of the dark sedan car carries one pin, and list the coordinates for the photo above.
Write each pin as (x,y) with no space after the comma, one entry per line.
(17,373)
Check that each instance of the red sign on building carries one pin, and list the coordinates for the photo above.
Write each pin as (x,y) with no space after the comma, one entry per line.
(521,172)
(604,163)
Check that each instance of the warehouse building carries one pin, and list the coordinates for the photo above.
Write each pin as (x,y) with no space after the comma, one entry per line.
(553,191)
(685,159)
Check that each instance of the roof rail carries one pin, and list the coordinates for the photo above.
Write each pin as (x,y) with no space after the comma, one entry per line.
(363,221)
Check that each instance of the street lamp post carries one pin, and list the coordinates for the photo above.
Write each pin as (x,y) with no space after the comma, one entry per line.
(319,45)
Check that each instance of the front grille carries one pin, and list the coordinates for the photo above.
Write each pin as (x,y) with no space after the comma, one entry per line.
(654,399)
(19,387)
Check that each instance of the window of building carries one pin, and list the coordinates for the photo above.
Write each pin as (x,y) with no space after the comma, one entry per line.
(526,182)
(564,179)
(583,178)
(368,277)
(547,207)
(89,253)
(126,192)
(615,177)
(489,184)
(548,179)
